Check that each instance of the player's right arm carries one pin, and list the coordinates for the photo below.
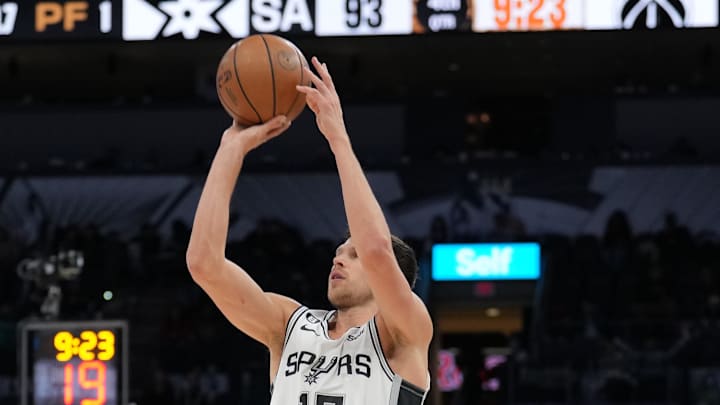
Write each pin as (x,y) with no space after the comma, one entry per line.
(258,314)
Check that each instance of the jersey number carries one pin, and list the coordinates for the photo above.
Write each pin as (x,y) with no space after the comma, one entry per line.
(321,399)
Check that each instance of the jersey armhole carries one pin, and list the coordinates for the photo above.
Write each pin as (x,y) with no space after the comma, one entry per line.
(291,322)
(377,346)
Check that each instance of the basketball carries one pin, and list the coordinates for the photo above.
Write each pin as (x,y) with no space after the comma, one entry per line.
(256,79)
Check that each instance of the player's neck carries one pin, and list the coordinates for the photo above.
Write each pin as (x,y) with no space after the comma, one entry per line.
(347,318)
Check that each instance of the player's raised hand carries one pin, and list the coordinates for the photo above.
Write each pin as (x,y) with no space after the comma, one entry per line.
(324,101)
(249,138)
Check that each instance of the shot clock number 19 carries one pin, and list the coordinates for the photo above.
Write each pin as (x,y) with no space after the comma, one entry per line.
(91,375)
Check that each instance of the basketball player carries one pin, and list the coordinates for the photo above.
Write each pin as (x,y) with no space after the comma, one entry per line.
(372,349)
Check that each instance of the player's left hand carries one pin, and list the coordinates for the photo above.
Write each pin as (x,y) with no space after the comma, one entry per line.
(324,101)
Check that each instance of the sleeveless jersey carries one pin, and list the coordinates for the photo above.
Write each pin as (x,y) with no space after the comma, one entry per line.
(351,370)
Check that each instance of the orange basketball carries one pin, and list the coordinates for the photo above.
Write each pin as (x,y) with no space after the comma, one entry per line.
(257,76)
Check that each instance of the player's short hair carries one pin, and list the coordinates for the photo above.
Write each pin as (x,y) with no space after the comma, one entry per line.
(405,256)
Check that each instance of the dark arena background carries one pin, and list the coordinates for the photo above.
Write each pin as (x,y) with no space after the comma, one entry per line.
(555,164)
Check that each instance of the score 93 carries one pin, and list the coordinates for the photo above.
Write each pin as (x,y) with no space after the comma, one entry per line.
(88,346)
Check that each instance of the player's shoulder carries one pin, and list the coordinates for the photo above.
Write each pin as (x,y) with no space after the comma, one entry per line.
(288,306)
(285,303)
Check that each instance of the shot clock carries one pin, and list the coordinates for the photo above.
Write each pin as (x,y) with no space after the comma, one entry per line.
(73,363)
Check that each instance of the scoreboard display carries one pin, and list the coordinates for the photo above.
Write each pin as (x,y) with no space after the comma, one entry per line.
(147,20)
(74,363)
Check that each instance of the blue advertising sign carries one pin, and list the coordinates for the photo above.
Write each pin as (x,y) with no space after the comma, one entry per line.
(486,261)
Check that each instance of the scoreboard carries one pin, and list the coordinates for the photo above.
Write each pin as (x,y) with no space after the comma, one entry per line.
(147,20)
(73,363)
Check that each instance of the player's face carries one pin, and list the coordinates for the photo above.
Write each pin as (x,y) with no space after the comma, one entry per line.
(347,285)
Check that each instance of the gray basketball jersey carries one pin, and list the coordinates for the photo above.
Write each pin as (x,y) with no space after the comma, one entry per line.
(351,370)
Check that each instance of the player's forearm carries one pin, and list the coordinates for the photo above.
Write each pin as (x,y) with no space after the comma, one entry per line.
(368,227)
(209,233)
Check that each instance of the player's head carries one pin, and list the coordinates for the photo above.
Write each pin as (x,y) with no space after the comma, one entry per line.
(347,284)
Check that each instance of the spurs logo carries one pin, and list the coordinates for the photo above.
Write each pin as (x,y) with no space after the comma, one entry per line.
(150,19)
(320,368)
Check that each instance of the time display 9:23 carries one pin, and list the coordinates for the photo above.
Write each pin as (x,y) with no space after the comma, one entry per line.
(88,346)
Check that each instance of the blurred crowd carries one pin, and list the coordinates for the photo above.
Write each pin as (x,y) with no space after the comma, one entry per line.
(627,317)
(620,317)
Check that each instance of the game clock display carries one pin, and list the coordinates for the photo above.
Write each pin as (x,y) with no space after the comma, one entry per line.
(150,20)
(73,363)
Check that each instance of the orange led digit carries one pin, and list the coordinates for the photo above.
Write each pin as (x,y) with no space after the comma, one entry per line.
(502,13)
(535,22)
(68,394)
(98,383)
(558,15)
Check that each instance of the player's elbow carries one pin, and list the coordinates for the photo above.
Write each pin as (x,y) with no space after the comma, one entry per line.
(200,263)
(195,261)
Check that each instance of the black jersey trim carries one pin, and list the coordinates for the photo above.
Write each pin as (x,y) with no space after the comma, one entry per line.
(294,317)
(412,388)
(377,346)
(324,324)
(407,396)
(289,328)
